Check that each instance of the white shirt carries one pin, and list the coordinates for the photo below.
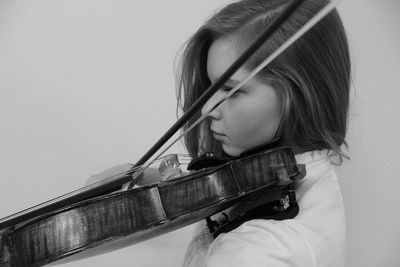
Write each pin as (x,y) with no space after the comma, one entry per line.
(315,237)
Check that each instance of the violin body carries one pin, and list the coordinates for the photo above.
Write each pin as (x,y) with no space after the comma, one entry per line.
(115,220)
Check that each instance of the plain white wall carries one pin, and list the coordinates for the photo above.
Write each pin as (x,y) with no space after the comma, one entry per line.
(370,179)
(88,84)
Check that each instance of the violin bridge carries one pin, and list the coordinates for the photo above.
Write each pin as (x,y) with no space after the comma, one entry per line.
(170,167)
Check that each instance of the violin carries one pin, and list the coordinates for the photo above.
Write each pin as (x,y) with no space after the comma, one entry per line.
(97,219)
(115,220)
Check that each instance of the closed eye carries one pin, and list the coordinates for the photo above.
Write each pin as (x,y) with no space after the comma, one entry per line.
(227,89)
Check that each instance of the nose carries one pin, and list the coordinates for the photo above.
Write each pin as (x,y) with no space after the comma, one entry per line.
(211,103)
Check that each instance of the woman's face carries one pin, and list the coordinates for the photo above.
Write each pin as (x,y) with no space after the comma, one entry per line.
(248,118)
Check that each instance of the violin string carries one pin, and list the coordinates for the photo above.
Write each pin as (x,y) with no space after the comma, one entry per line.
(307,26)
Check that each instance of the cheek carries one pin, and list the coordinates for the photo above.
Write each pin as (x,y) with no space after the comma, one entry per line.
(255,124)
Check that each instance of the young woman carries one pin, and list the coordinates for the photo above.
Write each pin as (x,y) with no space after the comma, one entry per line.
(302,97)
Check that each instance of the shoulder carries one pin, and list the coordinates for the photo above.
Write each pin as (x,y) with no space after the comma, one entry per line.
(261,242)
(318,193)
(322,217)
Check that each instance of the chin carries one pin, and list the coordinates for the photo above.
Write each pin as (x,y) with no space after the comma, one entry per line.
(231,151)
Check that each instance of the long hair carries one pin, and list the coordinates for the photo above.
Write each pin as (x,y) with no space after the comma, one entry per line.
(311,78)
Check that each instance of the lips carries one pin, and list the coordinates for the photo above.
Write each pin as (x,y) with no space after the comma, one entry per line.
(215,132)
(217,135)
